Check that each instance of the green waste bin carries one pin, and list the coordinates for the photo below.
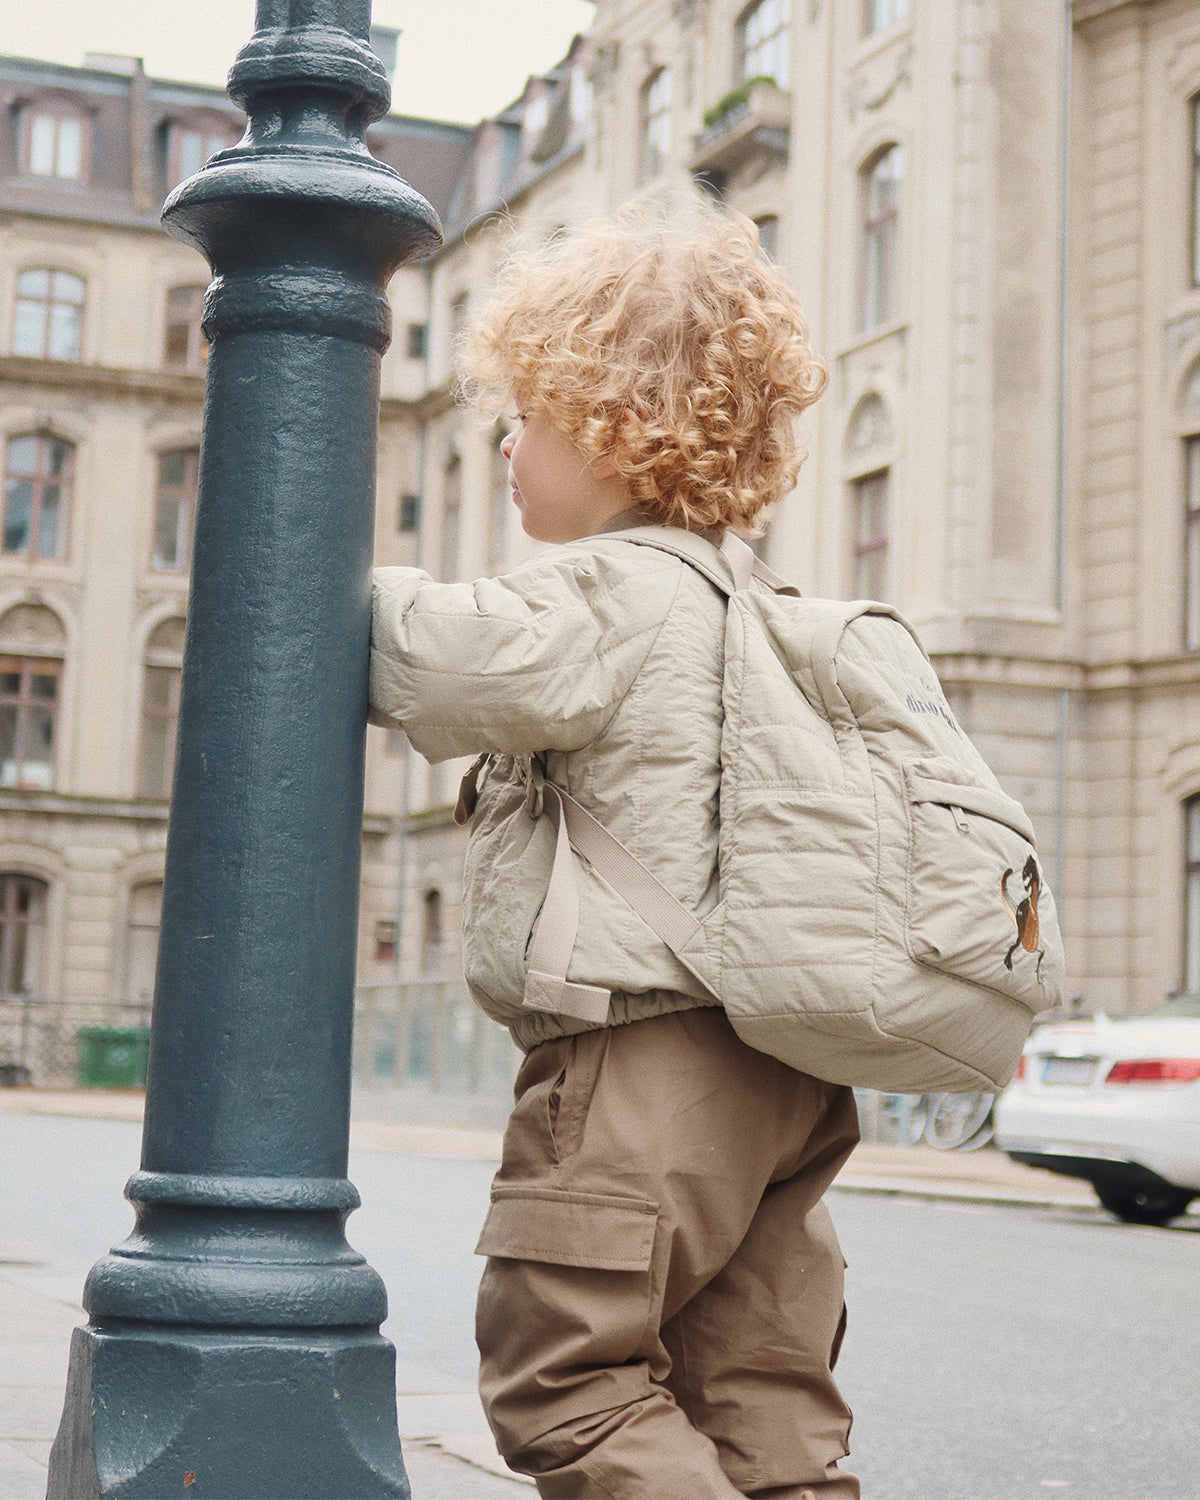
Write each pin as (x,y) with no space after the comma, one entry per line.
(113,1057)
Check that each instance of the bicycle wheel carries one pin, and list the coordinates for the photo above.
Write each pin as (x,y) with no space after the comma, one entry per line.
(956,1121)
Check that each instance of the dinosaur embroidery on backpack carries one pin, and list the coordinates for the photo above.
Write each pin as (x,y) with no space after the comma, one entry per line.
(1025,916)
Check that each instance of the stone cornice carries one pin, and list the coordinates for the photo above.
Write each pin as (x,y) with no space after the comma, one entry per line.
(1090,10)
(102,380)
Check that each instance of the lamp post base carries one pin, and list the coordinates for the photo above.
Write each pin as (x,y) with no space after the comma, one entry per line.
(157,1412)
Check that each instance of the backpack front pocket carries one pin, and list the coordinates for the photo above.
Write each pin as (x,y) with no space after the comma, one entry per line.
(978,906)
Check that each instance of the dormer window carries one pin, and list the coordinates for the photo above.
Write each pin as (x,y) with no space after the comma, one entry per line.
(190,143)
(54,139)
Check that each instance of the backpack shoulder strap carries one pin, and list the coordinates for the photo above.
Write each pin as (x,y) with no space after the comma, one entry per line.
(729,565)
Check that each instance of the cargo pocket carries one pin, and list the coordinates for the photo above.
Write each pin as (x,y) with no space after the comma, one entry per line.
(589,1230)
(567,1287)
(978,907)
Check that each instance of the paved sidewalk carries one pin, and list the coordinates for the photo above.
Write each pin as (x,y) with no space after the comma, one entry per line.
(445,1449)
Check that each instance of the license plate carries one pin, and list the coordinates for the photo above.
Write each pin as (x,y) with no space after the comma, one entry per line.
(1076,1070)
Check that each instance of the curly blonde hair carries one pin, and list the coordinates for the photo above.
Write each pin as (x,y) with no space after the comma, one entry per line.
(663,342)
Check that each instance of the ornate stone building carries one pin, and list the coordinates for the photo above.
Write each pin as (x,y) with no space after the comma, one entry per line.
(101,386)
(989,209)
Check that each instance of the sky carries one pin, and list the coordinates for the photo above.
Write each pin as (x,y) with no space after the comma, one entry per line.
(456,60)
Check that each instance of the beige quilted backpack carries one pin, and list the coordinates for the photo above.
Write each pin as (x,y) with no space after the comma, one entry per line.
(927,939)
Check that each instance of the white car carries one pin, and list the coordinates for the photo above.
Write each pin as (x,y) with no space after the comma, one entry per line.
(1115,1101)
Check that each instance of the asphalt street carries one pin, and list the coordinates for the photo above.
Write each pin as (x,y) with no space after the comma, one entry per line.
(995,1352)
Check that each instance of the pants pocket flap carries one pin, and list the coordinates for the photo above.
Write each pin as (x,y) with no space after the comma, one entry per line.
(569,1229)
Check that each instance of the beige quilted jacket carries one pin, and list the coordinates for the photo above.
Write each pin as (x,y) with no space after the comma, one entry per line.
(604,659)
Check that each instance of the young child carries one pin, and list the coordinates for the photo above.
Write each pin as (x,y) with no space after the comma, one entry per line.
(662,1302)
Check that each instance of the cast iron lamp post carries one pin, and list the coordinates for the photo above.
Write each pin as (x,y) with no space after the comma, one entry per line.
(233,1349)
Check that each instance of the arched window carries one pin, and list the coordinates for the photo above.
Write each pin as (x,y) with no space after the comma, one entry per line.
(870,426)
(37,495)
(31,644)
(161,677)
(185,347)
(175,508)
(763,38)
(48,317)
(141,941)
(882,191)
(655,124)
(22,934)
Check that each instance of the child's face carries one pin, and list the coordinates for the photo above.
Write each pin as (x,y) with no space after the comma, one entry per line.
(560,495)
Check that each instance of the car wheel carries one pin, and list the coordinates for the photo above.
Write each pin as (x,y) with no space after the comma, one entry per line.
(959,1121)
(1144,1205)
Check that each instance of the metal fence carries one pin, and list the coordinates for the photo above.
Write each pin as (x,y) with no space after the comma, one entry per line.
(57,1043)
(428,1033)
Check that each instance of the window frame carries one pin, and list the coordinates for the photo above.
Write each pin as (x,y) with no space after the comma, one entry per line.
(874,23)
(212,132)
(654,124)
(776,42)
(185,495)
(39,481)
(27,704)
(1194,227)
(871,553)
(881,261)
(12,921)
(61,110)
(1191,892)
(49,302)
(195,354)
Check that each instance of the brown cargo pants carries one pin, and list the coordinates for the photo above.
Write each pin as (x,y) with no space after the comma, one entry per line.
(662,1303)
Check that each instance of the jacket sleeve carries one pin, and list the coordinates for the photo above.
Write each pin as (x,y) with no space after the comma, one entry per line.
(538,659)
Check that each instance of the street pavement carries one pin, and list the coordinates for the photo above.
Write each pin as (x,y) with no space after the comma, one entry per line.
(446,1451)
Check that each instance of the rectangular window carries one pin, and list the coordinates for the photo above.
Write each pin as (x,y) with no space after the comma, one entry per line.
(37,487)
(28,707)
(883,182)
(55,146)
(48,317)
(1196,191)
(174,508)
(871,535)
(160,722)
(1192,543)
(416,341)
(409,517)
(189,148)
(1191,975)
(656,124)
(764,39)
(879,15)
(184,347)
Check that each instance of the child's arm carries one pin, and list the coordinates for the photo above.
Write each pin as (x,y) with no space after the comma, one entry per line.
(536,660)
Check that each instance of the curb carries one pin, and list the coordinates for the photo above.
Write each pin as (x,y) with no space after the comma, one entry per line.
(993,1197)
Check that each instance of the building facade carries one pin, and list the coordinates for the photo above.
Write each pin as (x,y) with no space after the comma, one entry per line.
(990,210)
(101,390)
